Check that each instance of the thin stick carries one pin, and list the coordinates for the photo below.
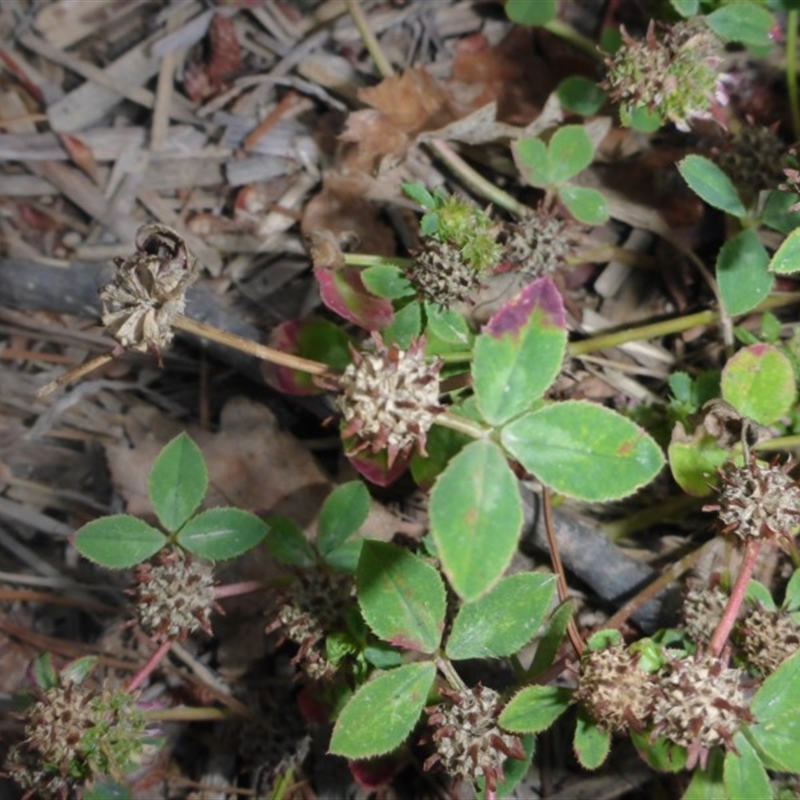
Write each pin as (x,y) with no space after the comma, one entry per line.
(369,38)
(558,568)
(75,374)
(261,351)
(654,588)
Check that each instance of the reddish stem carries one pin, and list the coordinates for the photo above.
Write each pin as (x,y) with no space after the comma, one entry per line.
(139,678)
(720,637)
(236,589)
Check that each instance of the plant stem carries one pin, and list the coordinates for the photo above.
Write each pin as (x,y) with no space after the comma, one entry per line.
(74,374)
(475,181)
(158,656)
(654,330)
(720,637)
(566,32)
(237,589)
(251,348)
(792,19)
(369,38)
(558,568)
(449,671)
(367,260)
(462,425)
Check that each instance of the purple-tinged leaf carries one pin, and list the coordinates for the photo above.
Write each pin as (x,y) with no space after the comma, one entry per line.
(520,352)
(343,291)
(375,466)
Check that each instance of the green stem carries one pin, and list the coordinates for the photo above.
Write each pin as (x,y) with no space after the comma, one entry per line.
(476,181)
(367,260)
(462,425)
(369,38)
(449,672)
(791,69)
(654,330)
(566,32)
(779,443)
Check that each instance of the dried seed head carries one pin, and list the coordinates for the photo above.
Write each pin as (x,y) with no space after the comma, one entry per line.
(148,289)
(74,735)
(440,275)
(699,704)
(768,638)
(702,610)
(615,691)
(311,609)
(753,158)
(675,74)
(388,399)
(174,596)
(469,744)
(539,243)
(758,502)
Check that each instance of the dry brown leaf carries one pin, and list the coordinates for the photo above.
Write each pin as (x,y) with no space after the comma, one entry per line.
(340,209)
(376,138)
(412,102)
(510,74)
(252,464)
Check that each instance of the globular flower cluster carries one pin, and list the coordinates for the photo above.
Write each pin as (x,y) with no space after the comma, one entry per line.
(174,596)
(702,610)
(699,704)
(615,691)
(758,502)
(675,74)
(752,158)
(309,610)
(388,399)
(469,743)
(539,243)
(768,638)
(148,290)
(74,735)
(440,275)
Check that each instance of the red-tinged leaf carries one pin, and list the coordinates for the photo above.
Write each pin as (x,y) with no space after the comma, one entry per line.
(542,295)
(374,773)
(520,352)
(315,339)
(80,153)
(374,466)
(343,291)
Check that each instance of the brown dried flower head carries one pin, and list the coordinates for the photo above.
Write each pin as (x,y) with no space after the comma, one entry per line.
(539,243)
(441,275)
(74,735)
(702,610)
(753,158)
(310,609)
(614,689)
(768,638)
(469,744)
(699,704)
(758,501)
(148,290)
(174,596)
(389,398)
